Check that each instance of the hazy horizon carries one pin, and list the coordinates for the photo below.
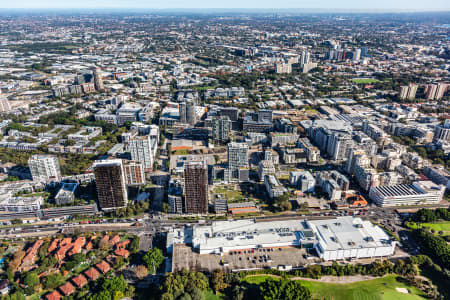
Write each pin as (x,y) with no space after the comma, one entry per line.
(320,5)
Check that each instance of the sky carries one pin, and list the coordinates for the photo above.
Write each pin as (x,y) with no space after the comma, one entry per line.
(408,5)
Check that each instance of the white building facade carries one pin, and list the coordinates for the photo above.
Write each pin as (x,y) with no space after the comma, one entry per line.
(44,168)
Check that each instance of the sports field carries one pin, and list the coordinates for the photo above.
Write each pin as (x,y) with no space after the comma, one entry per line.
(365,80)
(376,289)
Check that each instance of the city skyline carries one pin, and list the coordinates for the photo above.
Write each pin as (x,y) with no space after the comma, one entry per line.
(190,145)
(323,5)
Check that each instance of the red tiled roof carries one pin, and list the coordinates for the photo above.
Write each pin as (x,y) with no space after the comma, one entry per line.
(92,274)
(29,258)
(79,280)
(123,244)
(35,247)
(103,266)
(61,253)
(121,252)
(53,296)
(75,249)
(67,289)
(80,241)
(115,239)
(89,246)
(53,245)
(43,274)
(65,241)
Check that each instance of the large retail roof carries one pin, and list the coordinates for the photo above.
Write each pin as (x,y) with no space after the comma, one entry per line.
(243,233)
(346,233)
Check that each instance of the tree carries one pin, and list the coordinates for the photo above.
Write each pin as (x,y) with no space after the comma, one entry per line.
(133,247)
(31,280)
(184,282)
(16,296)
(238,292)
(115,284)
(165,207)
(282,198)
(166,296)
(103,244)
(435,246)
(46,263)
(185,297)
(16,261)
(69,143)
(102,295)
(285,205)
(153,259)
(53,281)
(304,206)
(74,261)
(141,271)
(119,262)
(284,289)
(117,295)
(10,275)
(197,294)
(314,271)
(218,281)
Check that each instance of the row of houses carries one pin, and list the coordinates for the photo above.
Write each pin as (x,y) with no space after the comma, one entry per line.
(64,248)
(79,281)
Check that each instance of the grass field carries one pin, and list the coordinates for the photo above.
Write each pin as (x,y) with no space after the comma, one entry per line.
(377,289)
(181,152)
(310,110)
(365,80)
(257,279)
(231,194)
(209,295)
(439,226)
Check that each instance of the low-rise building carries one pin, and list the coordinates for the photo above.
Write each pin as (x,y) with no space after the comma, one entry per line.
(293,155)
(332,183)
(273,187)
(277,138)
(312,152)
(438,174)
(66,193)
(418,193)
(265,167)
(9,203)
(85,133)
(303,180)
(242,208)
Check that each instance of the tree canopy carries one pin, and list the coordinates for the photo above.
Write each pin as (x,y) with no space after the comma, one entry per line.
(189,285)
(284,289)
(153,259)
